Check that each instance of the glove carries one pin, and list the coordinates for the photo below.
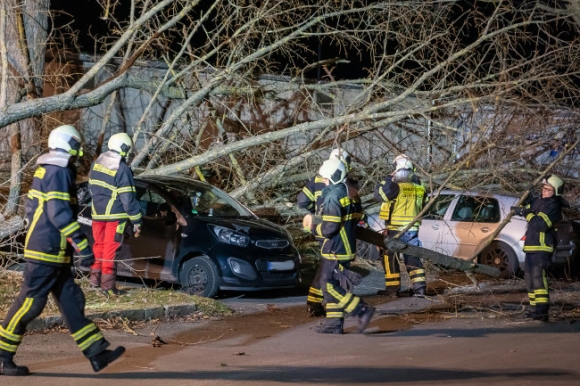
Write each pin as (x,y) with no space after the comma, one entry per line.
(347,278)
(136,230)
(86,258)
(520,211)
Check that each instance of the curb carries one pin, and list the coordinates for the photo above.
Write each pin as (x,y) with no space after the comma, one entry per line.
(161,312)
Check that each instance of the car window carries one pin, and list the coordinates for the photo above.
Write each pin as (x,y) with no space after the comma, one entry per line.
(152,204)
(439,207)
(476,209)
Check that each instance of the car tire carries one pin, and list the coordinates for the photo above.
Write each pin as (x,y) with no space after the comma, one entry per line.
(502,257)
(199,276)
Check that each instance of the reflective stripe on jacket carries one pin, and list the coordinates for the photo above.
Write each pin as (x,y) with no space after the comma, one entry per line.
(113,190)
(310,197)
(401,202)
(50,210)
(541,235)
(340,216)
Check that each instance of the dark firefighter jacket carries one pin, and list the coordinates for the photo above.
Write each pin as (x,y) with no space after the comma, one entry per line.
(113,190)
(401,201)
(310,197)
(544,214)
(340,216)
(51,212)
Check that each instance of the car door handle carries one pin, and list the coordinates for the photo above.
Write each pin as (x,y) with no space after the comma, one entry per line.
(485,229)
(435,227)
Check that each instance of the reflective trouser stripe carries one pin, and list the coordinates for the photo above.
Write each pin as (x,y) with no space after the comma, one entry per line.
(392,271)
(87,336)
(346,302)
(315,295)
(417,276)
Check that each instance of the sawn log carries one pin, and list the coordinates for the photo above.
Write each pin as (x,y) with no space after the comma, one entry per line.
(439,259)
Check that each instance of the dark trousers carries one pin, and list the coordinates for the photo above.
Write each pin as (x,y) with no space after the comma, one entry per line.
(338,301)
(535,273)
(39,281)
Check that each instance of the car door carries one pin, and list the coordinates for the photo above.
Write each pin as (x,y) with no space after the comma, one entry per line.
(151,255)
(436,232)
(473,218)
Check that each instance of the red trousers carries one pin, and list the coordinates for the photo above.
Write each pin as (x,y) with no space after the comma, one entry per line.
(107,243)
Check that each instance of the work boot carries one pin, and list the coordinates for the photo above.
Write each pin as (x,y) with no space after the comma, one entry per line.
(389,291)
(316,310)
(8,367)
(530,312)
(114,292)
(102,360)
(405,293)
(330,326)
(541,313)
(419,292)
(95,279)
(364,317)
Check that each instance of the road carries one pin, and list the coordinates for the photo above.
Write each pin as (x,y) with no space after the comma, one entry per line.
(272,342)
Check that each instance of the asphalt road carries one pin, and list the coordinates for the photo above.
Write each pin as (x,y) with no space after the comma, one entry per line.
(272,342)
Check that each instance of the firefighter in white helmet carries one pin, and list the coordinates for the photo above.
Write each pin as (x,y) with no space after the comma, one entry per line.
(52,237)
(310,198)
(542,214)
(402,198)
(113,206)
(340,217)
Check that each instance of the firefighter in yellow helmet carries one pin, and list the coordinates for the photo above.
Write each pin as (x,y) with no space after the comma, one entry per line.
(542,215)
(402,197)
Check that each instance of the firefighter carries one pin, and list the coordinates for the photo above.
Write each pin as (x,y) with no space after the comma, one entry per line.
(402,197)
(114,204)
(310,198)
(340,216)
(542,215)
(52,235)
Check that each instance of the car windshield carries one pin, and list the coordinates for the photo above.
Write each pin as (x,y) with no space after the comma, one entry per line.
(204,200)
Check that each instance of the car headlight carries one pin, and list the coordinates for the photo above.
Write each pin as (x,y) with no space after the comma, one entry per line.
(229,236)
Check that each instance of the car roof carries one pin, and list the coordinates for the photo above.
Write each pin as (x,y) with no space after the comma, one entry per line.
(485,193)
(169,180)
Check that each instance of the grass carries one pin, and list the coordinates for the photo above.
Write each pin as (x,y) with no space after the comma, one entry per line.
(136,298)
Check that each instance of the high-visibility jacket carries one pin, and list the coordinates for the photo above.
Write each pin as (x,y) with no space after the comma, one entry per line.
(340,216)
(541,235)
(113,190)
(401,202)
(51,212)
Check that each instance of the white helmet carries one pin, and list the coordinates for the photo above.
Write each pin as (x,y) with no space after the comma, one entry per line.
(555,182)
(334,170)
(120,143)
(66,138)
(342,155)
(402,161)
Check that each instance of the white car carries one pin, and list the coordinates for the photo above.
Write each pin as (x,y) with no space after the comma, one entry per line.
(459,222)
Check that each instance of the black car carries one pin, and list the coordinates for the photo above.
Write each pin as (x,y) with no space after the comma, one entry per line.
(199,237)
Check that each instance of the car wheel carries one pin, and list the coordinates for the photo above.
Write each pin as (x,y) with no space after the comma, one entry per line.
(502,257)
(199,276)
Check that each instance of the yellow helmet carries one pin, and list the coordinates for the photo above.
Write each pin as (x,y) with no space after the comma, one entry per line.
(555,182)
